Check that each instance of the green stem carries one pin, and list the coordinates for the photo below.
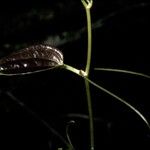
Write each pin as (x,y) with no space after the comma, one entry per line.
(91,124)
(72,69)
(88,63)
(87,5)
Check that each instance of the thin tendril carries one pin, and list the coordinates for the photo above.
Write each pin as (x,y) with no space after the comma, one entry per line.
(119,99)
(123,71)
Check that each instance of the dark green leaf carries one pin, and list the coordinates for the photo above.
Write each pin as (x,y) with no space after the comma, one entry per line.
(32,59)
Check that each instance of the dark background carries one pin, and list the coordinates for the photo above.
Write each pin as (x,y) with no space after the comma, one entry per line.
(120,40)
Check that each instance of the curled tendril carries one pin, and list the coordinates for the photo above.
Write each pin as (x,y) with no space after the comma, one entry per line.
(87,3)
(72,122)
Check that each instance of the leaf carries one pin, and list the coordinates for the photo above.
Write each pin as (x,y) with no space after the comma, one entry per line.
(32,59)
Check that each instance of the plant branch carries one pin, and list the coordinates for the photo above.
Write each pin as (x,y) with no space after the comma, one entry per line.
(72,69)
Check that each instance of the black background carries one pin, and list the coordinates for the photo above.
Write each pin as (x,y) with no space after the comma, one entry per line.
(120,40)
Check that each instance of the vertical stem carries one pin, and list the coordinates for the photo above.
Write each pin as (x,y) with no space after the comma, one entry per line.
(89,46)
(87,5)
(91,124)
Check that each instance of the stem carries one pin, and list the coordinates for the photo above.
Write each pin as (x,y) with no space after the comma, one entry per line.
(87,5)
(72,69)
(88,63)
(91,124)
